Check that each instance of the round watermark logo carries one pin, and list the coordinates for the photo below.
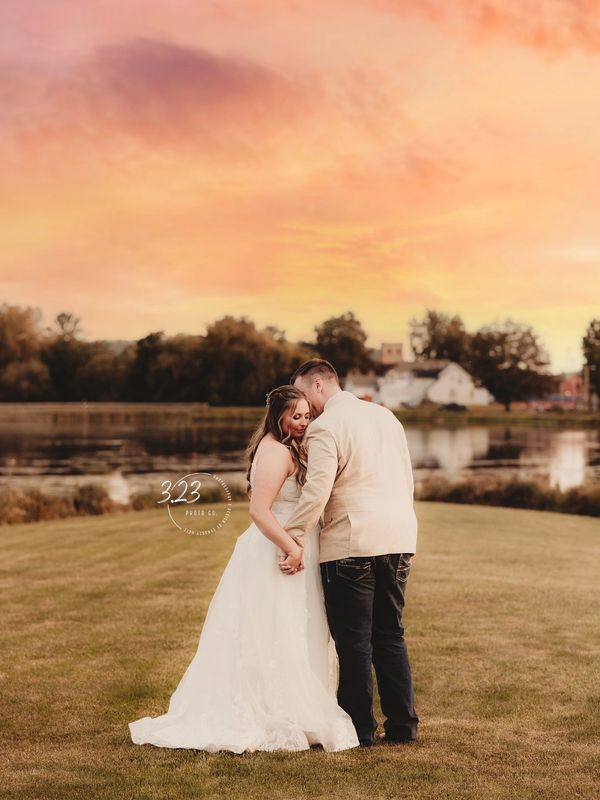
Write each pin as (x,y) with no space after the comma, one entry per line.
(198,503)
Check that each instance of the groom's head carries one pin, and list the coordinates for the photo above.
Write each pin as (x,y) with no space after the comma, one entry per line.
(318,380)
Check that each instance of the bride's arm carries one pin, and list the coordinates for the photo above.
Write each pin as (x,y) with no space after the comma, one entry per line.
(271,471)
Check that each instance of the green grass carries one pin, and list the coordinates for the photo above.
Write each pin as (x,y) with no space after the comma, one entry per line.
(102,616)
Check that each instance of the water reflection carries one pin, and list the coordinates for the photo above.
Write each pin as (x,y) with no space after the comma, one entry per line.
(563,458)
(117,487)
(129,452)
(447,449)
(568,461)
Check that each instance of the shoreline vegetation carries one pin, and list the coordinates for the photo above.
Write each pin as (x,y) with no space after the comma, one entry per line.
(190,413)
(495,415)
(91,499)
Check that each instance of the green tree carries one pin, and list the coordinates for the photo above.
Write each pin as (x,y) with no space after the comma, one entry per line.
(176,369)
(64,354)
(23,375)
(143,378)
(341,340)
(439,336)
(509,360)
(20,333)
(591,353)
(22,381)
(103,376)
(241,363)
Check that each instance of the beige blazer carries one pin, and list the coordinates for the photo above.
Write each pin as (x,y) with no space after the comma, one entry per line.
(359,485)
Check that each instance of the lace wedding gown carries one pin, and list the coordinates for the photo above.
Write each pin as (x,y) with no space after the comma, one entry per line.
(265,672)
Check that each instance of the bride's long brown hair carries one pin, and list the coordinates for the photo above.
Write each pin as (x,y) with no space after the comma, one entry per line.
(279,400)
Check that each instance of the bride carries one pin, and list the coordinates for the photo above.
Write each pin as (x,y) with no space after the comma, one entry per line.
(265,672)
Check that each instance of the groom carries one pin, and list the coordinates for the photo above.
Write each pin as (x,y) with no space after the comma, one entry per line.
(359,487)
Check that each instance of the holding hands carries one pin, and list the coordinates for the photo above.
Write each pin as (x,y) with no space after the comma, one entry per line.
(292,562)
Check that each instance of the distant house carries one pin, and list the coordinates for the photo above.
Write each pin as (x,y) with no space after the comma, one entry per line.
(573,385)
(364,386)
(411,383)
(388,354)
(391,353)
(572,394)
(402,385)
(453,384)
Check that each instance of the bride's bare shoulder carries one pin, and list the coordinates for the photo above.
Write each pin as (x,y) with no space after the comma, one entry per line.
(273,451)
(269,446)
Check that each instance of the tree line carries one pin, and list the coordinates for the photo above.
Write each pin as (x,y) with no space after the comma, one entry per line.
(507,358)
(236,363)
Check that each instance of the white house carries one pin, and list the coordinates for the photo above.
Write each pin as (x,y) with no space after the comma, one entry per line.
(454,385)
(411,383)
(364,386)
(402,387)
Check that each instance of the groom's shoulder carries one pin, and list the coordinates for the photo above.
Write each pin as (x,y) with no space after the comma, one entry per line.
(322,427)
(357,412)
(337,415)
(352,407)
(318,426)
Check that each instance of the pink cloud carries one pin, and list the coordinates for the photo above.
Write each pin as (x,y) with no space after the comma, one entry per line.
(247,153)
(158,93)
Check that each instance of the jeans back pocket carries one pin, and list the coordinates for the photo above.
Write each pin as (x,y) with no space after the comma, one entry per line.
(354,567)
(403,566)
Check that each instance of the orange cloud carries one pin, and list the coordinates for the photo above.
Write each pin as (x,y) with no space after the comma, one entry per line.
(550,25)
(164,164)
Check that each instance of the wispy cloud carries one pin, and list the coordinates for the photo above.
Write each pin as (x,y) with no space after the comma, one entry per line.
(549,25)
(290,160)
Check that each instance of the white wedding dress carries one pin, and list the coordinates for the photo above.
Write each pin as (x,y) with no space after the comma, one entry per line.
(265,672)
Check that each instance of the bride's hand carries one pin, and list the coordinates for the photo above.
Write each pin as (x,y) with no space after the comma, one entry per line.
(291,570)
(292,562)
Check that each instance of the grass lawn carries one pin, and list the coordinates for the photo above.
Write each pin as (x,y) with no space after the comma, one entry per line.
(102,615)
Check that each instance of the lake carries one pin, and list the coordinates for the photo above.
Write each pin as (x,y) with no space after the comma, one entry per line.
(132,447)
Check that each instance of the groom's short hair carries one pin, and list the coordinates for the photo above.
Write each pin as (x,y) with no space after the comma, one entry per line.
(313,367)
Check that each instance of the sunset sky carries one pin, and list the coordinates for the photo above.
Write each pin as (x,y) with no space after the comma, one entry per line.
(166,163)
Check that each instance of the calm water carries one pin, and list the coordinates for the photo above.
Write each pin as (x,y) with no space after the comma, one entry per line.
(128,449)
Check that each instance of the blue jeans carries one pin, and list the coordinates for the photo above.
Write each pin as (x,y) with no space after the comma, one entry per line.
(364,600)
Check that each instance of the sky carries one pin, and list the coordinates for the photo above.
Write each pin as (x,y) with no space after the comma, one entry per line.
(165,164)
